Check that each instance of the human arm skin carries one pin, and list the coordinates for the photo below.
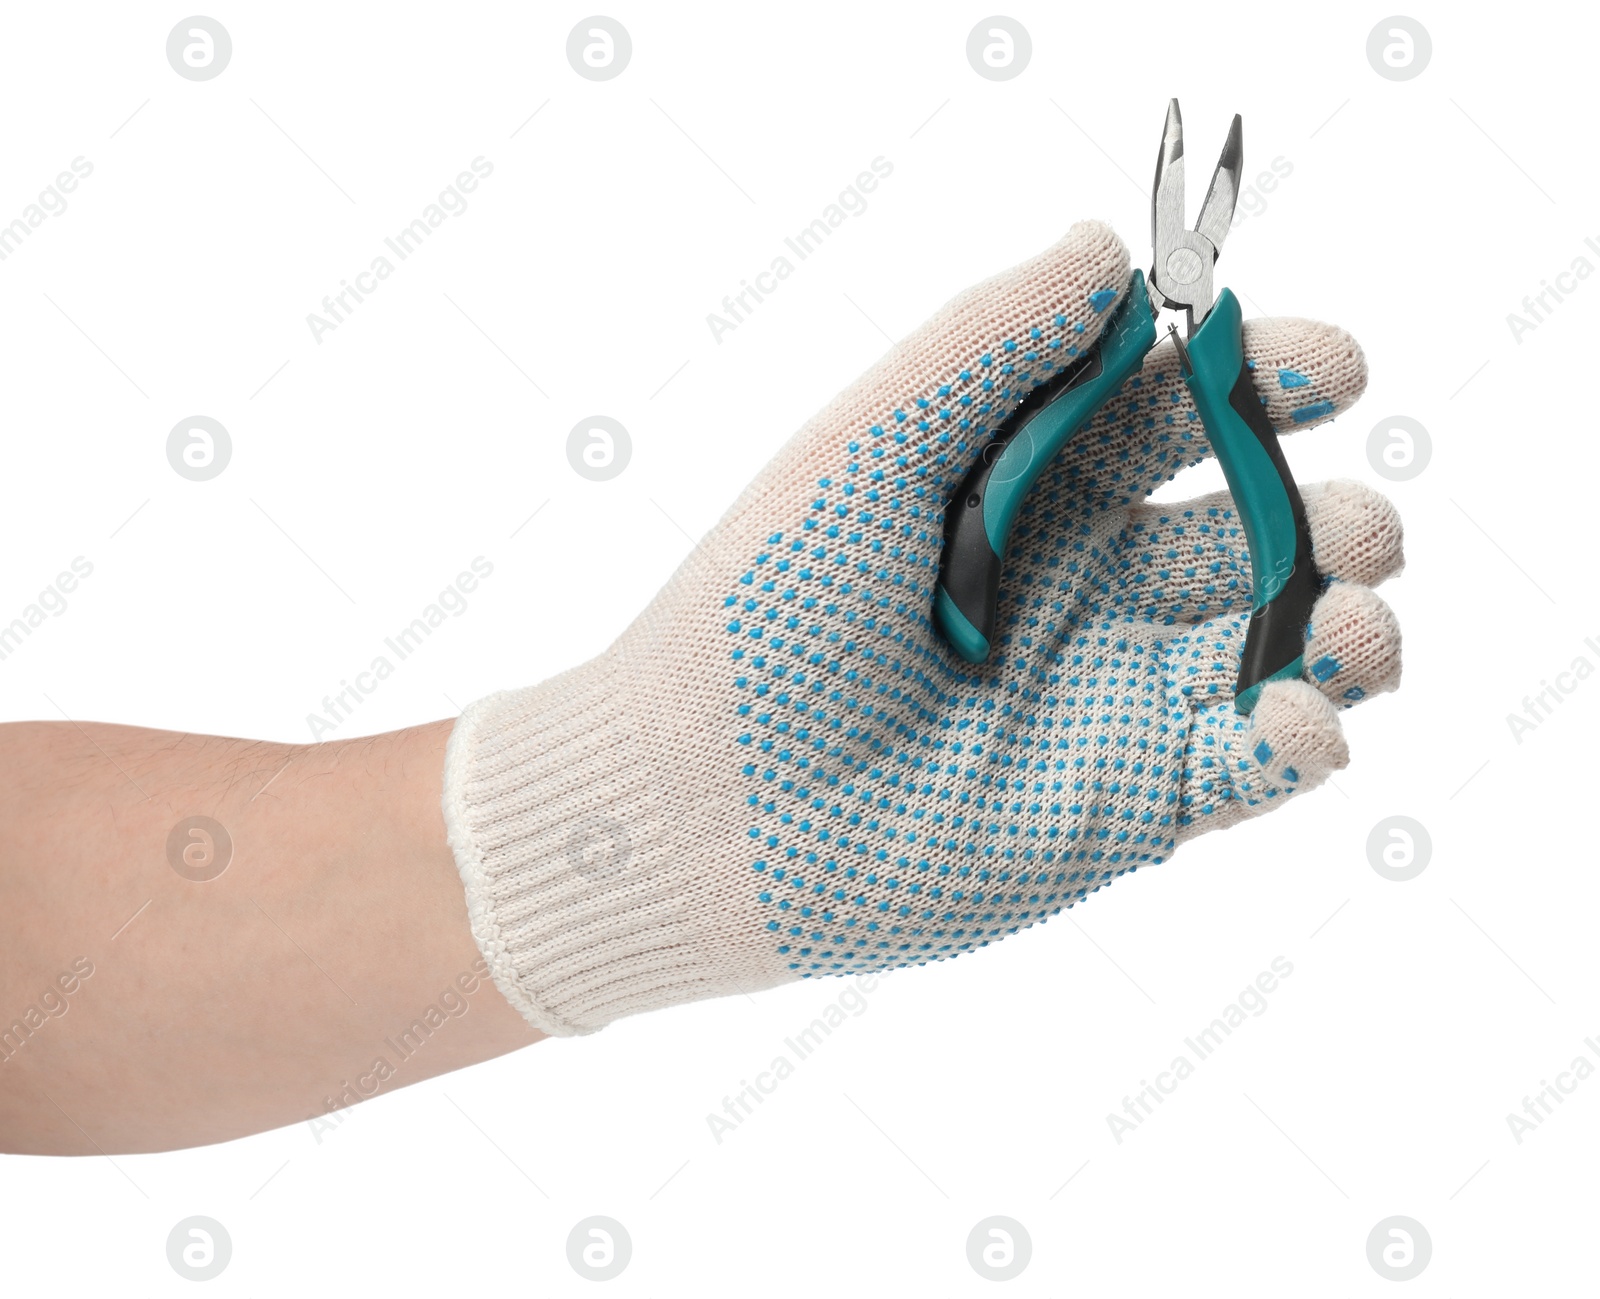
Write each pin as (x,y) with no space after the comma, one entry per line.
(241,1003)
(778,771)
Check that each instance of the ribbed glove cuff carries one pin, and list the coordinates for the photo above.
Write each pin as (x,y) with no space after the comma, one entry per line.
(580,884)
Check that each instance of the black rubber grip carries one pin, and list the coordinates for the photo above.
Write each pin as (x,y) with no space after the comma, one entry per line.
(969,567)
(1277,633)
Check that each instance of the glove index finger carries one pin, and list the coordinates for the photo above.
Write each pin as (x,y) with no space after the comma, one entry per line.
(949,385)
(918,419)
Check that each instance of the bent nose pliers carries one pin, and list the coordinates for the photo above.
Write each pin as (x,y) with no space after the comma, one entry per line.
(978,518)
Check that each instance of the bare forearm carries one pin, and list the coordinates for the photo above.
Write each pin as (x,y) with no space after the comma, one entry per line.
(148,1002)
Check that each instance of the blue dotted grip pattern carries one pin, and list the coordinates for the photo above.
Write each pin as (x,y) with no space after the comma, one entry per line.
(905,807)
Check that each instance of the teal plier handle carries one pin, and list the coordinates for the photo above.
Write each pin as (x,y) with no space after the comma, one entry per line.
(1283,575)
(979,517)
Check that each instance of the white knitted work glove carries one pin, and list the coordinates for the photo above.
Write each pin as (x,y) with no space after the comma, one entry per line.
(780,770)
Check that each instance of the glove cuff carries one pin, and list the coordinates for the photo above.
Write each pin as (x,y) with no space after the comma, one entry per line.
(582,887)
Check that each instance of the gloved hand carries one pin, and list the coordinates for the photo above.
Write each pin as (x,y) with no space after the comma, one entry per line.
(780,770)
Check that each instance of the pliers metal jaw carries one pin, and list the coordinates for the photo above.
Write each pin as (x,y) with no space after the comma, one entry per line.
(1180,276)
(1284,579)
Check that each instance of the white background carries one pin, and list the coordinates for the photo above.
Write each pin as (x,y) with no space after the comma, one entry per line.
(430,425)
